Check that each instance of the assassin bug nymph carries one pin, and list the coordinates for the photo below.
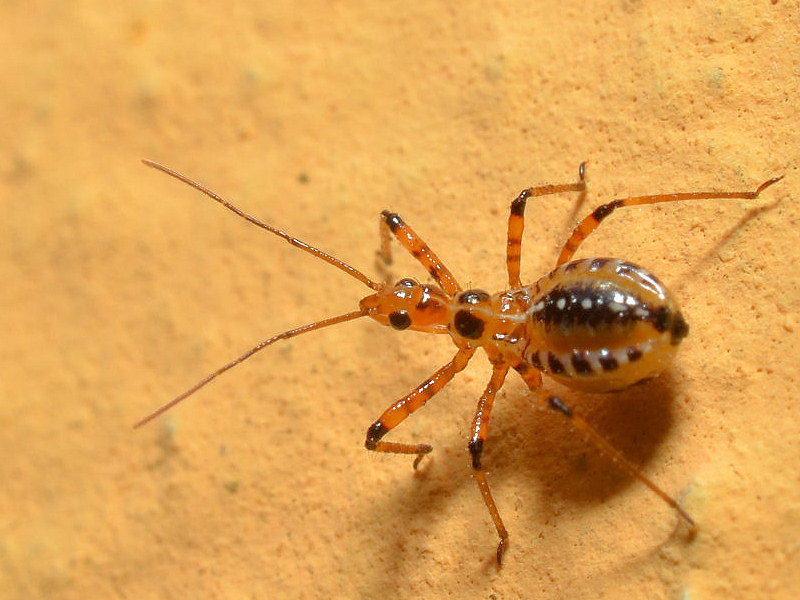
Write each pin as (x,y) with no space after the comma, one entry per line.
(593,324)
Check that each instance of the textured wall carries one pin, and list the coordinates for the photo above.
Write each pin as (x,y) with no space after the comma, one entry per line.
(120,288)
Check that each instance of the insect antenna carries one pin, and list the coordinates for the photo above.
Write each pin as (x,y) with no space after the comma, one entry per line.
(260,346)
(352,271)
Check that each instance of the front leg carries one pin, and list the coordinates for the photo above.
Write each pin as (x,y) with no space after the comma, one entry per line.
(392,224)
(411,402)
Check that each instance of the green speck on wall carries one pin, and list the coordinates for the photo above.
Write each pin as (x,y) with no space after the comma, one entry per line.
(716,78)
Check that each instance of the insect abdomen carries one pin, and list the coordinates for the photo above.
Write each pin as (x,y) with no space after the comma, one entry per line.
(602,324)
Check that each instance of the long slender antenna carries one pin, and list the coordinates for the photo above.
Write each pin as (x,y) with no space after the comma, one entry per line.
(352,271)
(260,346)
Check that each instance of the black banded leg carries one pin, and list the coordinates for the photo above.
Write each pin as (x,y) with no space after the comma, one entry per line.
(480,430)
(606,448)
(408,404)
(592,222)
(416,246)
(516,221)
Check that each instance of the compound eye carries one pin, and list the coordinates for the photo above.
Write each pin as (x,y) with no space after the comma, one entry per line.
(400,320)
(407,282)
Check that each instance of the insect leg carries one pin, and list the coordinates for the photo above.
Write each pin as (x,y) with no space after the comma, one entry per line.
(480,427)
(606,448)
(591,222)
(414,400)
(516,221)
(392,223)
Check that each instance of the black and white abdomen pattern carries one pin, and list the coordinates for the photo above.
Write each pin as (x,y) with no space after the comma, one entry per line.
(587,304)
(602,324)
(587,362)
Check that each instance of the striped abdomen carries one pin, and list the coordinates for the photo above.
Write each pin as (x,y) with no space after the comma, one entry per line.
(602,324)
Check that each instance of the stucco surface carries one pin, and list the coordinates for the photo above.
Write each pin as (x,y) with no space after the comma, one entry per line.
(121,287)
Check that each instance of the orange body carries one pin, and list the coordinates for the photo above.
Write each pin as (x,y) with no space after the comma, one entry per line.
(595,325)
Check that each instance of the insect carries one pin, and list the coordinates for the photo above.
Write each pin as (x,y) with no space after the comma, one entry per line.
(592,324)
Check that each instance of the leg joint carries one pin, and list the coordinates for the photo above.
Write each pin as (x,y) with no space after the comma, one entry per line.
(476,449)
(392,220)
(557,404)
(602,211)
(374,434)
(518,205)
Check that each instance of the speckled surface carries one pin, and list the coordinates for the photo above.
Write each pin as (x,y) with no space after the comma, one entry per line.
(120,288)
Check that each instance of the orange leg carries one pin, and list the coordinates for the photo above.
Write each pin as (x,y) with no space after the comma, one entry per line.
(530,375)
(591,222)
(392,223)
(606,448)
(516,221)
(411,402)
(480,429)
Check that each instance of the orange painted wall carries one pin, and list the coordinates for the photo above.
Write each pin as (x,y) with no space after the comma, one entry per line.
(120,288)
